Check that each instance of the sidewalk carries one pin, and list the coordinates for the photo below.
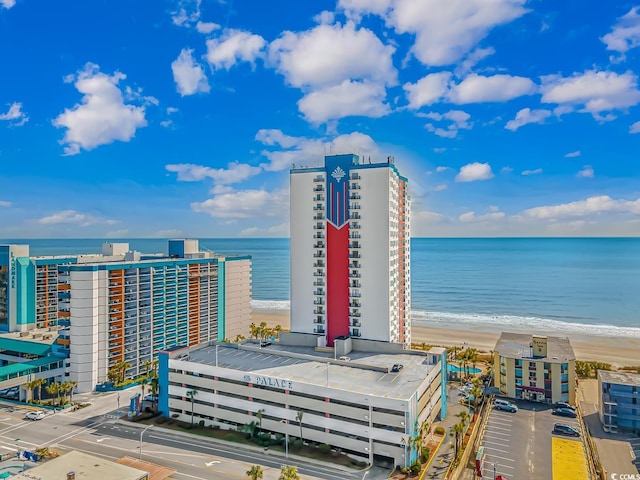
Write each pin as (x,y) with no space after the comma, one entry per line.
(444,456)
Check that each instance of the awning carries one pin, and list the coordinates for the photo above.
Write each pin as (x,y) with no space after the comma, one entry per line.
(533,389)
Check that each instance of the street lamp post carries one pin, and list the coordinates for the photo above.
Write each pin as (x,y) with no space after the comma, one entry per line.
(286,438)
(142,433)
(494,470)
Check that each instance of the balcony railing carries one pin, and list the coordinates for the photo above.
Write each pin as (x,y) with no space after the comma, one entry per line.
(318,188)
(319,226)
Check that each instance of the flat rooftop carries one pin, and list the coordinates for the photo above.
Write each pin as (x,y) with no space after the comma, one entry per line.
(622,378)
(86,467)
(518,345)
(304,364)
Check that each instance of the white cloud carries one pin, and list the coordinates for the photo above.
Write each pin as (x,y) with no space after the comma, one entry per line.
(440,188)
(245,204)
(309,152)
(506,170)
(575,154)
(102,117)
(234,46)
(121,233)
(472,59)
(73,217)
(457,118)
(168,233)
(474,171)
(356,9)
(625,34)
(5,203)
(235,173)
(446,30)
(635,128)
(188,74)
(347,99)
(487,217)
(441,169)
(497,88)
(187,13)
(7,3)
(328,55)
(281,230)
(428,90)
(595,205)
(325,17)
(586,172)
(596,91)
(440,149)
(536,171)
(526,116)
(15,115)
(206,27)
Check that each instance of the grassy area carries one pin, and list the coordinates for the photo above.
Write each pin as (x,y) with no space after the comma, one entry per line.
(312,450)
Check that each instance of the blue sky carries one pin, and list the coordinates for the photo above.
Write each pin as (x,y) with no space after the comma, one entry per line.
(183,117)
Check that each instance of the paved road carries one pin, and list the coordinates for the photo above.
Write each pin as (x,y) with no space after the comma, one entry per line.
(195,458)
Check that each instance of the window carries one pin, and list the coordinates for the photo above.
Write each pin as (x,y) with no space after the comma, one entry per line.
(518,362)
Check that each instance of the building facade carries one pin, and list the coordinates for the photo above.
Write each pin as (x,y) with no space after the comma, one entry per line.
(619,401)
(121,307)
(361,406)
(350,254)
(536,368)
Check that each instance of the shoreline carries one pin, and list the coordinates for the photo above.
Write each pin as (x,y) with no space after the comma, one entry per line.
(617,351)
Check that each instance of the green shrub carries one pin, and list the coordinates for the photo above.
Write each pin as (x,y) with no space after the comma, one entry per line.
(298,443)
(405,470)
(439,431)
(324,448)
(201,423)
(424,456)
(416,467)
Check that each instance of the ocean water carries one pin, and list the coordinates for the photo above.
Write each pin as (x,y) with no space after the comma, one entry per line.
(548,285)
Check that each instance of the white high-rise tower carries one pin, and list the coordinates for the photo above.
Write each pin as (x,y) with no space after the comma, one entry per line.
(350,264)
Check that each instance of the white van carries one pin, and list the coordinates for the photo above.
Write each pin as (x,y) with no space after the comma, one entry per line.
(345,359)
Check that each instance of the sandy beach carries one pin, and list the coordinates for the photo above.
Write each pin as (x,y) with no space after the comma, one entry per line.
(618,351)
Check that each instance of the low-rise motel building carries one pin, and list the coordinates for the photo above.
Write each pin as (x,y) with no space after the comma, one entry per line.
(534,367)
(619,401)
(366,398)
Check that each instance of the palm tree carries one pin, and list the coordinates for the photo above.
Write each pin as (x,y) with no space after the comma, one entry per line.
(30,386)
(259,415)
(253,330)
(464,416)
(38,382)
(456,430)
(147,367)
(262,328)
(277,329)
(53,389)
(288,473)
(192,394)
(255,472)
(154,388)
(299,416)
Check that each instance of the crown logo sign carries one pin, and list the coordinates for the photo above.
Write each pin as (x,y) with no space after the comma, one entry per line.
(338,174)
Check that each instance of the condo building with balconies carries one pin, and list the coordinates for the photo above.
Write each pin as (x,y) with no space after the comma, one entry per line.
(121,307)
(350,262)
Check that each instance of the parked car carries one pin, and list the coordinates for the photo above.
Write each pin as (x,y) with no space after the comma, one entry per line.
(565,412)
(37,415)
(397,367)
(564,405)
(505,405)
(563,429)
